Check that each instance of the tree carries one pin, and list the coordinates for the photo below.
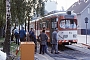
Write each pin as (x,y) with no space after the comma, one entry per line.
(34,7)
(20,10)
(6,45)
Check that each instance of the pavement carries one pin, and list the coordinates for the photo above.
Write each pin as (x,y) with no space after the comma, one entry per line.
(85,48)
(41,56)
(79,46)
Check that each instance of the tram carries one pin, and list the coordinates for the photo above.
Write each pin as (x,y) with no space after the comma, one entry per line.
(66,22)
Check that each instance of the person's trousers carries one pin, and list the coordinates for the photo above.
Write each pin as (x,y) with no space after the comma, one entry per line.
(17,41)
(42,49)
(54,48)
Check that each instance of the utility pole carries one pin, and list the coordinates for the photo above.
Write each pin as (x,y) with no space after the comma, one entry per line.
(6,46)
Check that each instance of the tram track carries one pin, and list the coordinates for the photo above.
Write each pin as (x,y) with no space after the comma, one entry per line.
(65,52)
(62,54)
(68,53)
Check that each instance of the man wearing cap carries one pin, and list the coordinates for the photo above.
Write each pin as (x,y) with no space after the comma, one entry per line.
(54,42)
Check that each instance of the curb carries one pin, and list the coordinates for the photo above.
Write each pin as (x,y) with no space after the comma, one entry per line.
(88,46)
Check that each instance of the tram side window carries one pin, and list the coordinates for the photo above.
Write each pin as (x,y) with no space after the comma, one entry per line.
(40,25)
(54,24)
(47,23)
(44,24)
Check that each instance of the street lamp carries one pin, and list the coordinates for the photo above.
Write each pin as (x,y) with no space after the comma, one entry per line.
(86,21)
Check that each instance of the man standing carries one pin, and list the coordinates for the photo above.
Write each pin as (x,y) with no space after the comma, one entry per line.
(22,34)
(31,33)
(43,42)
(16,33)
(33,38)
(54,42)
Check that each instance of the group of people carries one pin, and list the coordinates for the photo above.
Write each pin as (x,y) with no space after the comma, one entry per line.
(21,37)
(43,42)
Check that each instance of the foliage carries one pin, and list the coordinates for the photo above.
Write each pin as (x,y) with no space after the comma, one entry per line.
(22,10)
(17,11)
(2,12)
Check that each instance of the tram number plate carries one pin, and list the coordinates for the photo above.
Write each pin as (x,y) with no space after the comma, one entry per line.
(65,36)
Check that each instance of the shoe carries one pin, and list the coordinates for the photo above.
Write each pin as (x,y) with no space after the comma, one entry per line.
(39,53)
(51,52)
(56,52)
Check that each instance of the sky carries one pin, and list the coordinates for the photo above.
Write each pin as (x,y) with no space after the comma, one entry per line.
(64,3)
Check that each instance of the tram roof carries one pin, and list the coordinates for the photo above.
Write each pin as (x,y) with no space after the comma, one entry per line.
(61,13)
(37,19)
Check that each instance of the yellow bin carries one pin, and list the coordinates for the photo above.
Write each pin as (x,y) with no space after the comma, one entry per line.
(27,50)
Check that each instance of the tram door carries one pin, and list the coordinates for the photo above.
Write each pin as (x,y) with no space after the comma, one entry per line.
(53,25)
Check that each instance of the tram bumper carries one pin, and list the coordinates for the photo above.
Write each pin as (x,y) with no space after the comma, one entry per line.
(66,42)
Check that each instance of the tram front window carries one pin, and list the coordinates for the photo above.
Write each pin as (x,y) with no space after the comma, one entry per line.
(67,24)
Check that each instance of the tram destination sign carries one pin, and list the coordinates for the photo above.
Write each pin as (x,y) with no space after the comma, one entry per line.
(69,17)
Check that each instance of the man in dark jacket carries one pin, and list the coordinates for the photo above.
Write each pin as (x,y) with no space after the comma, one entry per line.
(43,42)
(54,42)
(31,34)
(34,40)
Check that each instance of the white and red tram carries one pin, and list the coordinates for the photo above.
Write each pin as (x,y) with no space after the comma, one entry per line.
(66,22)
